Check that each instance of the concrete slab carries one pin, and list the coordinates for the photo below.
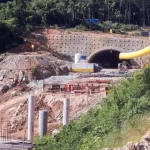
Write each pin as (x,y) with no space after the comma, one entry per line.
(10,144)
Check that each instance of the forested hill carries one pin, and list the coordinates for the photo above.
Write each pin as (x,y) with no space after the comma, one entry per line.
(65,11)
(21,15)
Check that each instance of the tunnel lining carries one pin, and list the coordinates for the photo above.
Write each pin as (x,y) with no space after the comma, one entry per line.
(108,59)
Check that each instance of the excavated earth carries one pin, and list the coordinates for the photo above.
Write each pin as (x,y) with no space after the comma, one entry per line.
(14,109)
(40,66)
(26,66)
(22,65)
(19,67)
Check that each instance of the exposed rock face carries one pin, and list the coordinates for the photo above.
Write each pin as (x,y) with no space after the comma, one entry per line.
(18,69)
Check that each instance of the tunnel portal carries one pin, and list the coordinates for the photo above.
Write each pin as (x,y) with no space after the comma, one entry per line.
(108,59)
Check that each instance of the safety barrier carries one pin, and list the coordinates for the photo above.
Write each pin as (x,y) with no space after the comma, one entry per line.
(54,88)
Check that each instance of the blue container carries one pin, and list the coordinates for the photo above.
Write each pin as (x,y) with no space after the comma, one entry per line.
(82,57)
(94,21)
(144,33)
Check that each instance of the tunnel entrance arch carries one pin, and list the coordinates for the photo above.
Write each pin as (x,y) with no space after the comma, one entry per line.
(109,59)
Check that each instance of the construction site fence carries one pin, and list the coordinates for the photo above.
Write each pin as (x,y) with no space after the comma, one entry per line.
(80,88)
(5,134)
(6,130)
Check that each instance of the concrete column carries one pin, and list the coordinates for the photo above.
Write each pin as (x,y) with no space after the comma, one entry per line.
(66,111)
(31,118)
(42,122)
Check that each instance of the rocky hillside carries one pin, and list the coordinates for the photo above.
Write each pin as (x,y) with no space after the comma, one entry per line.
(22,65)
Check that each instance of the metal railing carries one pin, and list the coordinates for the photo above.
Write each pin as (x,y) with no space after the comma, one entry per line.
(5,134)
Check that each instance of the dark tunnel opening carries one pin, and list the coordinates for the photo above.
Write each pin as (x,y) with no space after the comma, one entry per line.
(109,59)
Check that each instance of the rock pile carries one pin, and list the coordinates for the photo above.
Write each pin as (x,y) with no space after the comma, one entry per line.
(18,69)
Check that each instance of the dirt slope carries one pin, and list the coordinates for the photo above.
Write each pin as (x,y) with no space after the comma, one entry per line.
(14,111)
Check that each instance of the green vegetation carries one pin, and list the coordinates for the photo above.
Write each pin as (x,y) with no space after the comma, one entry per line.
(123,116)
(34,69)
(71,12)
(8,38)
(132,130)
(19,16)
(118,28)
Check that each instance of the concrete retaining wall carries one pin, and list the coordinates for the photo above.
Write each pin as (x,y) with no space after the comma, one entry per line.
(70,43)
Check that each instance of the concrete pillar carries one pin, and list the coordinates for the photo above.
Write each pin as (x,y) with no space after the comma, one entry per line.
(66,111)
(31,118)
(42,122)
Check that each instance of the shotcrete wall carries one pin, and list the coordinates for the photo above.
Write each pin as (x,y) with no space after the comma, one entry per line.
(70,43)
